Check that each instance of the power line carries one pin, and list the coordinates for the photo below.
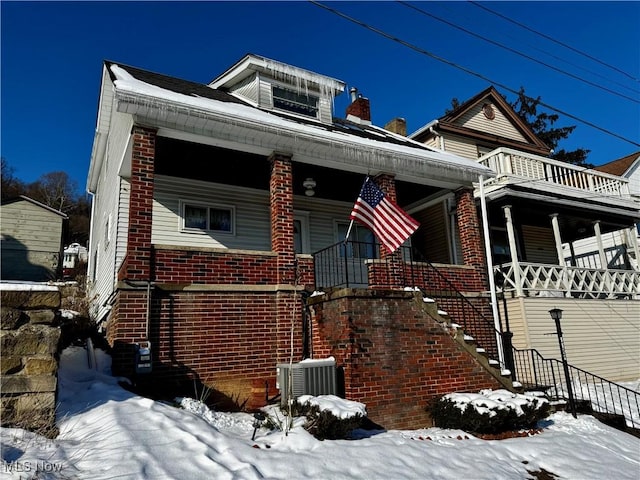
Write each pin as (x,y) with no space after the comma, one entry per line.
(554,40)
(466,70)
(528,57)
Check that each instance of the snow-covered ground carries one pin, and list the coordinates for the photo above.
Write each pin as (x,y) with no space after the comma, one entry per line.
(107,432)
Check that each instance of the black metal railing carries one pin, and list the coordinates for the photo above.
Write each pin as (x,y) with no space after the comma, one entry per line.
(547,374)
(361,264)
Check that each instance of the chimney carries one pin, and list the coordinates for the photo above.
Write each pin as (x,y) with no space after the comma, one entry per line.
(358,110)
(397,125)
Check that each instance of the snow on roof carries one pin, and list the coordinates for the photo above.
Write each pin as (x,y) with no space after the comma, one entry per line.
(126,83)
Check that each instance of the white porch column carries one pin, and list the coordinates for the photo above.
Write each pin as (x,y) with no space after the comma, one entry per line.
(558,239)
(513,249)
(603,258)
(492,280)
(632,235)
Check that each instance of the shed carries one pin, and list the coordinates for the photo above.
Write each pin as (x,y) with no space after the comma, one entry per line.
(32,236)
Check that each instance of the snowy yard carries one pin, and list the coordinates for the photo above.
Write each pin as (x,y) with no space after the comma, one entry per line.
(108,432)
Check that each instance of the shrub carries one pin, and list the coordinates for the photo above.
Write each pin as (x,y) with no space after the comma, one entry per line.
(488,412)
(322,423)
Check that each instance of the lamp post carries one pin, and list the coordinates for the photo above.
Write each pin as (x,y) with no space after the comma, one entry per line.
(507,335)
(556,315)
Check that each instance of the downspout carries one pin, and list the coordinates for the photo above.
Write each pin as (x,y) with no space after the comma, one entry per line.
(492,282)
(435,134)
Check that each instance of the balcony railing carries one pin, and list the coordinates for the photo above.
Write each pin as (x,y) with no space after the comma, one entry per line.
(512,163)
(566,281)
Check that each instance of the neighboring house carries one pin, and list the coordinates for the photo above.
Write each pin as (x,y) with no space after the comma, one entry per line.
(75,256)
(32,236)
(537,208)
(617,249)
(216,207)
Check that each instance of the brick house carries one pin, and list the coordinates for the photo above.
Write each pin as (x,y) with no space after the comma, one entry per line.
(218,208)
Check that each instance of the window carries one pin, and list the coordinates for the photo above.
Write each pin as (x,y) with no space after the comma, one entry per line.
(292,101)
(214,218)
(107,231)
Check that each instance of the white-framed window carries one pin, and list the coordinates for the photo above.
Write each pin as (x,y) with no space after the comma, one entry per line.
(197,217)
(296,102)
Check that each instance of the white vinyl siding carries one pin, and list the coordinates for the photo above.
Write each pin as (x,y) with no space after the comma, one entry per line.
(247,88)
(500,125)
(252,218)
(600,336)
(252,215)
(111,199)
(461,146)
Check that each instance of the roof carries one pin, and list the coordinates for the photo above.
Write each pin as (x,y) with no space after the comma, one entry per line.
(20,198)
(448,123)
(194,89)
(620,166)
(173,84)
(172,104)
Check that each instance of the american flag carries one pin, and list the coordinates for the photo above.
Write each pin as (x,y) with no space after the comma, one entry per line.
(385,218)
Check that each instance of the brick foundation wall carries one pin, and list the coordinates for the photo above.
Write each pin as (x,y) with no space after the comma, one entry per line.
(230,341)
(395,356)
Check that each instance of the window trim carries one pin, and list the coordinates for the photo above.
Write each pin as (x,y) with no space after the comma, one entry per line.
(293,90)
(208,207)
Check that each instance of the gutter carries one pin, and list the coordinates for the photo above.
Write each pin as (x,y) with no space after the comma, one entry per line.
(365,155)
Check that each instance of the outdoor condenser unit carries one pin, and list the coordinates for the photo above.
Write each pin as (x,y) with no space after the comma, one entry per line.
(309,377)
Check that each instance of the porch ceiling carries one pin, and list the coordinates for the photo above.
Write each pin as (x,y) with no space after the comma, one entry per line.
(575,220)
(219,165)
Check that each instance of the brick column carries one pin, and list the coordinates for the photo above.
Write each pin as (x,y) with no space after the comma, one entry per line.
(288,303)
(393,261)
(469,228)
(281,204)
(137,263)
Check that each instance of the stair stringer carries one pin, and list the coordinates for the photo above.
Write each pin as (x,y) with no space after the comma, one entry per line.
(465,342)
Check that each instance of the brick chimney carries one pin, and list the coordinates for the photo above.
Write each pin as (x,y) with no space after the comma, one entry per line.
(358,110)
(397,125)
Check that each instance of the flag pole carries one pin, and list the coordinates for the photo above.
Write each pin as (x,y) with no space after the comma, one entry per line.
(346,238)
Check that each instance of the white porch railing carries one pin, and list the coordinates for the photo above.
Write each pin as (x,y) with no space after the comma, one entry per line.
(513,163)
(555,280)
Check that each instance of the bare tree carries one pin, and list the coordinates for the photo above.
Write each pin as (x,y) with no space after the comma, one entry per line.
(55,189)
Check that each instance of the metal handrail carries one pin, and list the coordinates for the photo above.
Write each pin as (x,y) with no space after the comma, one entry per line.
(536,372)
(347,264)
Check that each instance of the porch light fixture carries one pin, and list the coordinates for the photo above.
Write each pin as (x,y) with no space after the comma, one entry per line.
(309,184)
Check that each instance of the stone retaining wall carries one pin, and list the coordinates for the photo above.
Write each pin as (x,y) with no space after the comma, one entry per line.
(29,339)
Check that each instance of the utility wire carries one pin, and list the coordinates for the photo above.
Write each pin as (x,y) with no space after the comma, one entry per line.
(512,50)
(467,70)
(554,40)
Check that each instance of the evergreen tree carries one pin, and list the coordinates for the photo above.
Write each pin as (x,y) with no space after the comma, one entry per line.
(542,125)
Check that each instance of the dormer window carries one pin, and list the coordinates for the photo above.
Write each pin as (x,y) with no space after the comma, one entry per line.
(291,101)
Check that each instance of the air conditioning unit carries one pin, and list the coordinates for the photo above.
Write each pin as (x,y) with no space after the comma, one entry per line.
(309,377)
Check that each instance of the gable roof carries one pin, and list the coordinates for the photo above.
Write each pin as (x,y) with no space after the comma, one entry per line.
(448,123)
(21,198)
(620,166)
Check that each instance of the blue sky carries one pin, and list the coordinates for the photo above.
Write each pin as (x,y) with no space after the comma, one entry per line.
(52,54)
